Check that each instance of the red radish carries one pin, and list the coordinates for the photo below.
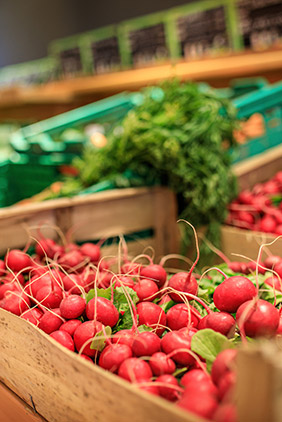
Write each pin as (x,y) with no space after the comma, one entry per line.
(17,260)
(2,267)
(70,326)
(245,216)
(278,229)
(232,292)
(194,376)
(146,344)
(226,385)
(203,323)
(165,299)
(48,247)
(51,321)
(221,322)
(50,279)
(92,251)
(15,277)
(152,315)
(49,296)
(152,389)
(260,202)
(267,224)
(183,282)
(9,287)
(72,306)
(278,269)
(178,340)
(105,279)
(226,412)
(64,338)
(83,335)
(131,268)
(182,315)
(167,391)
(73,283)
(274,282)
(15,302)
(71,260)
(206,386)
(123,280)
(71,247)
(236,267)
(246,197)
(85,357)
(161,364)
(134,369)
(278,177)
(154,272)
(113,355)
(124,337)
(279,328)
(146,290)
(204,405)
(271,261)
(252,267)
(32,315)
(223,363)
(259,318)
(102,310)
(271,187)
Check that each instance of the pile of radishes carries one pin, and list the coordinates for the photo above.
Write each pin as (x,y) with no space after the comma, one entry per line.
(260,208)
(143,324)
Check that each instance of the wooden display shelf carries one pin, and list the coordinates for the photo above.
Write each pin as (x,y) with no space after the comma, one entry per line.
(46,100)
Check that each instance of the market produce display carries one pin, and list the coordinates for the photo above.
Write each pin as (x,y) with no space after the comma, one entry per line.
(259,208)
(173,334)
(179,137)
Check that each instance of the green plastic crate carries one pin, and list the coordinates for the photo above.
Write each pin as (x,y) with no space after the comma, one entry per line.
(266,101)
(42,137)
(40,159)
(242,86)
(29,73)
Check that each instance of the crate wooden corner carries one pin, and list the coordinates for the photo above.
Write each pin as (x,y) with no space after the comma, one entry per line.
(259,382)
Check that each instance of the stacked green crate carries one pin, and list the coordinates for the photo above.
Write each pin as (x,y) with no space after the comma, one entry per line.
(45,150)
(267,102)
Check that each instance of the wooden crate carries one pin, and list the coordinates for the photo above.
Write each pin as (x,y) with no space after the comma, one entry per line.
(57,383)
(258,169)
(101,215)
(259,384)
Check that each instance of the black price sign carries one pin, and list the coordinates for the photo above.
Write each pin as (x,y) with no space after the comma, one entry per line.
(261,23)
(106,55)
(148,44)
(202,32)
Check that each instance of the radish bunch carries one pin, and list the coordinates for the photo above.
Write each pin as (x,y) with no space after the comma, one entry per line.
(260,208)
(143,324)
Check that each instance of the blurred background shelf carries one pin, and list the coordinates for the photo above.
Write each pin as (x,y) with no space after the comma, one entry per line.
(46,100)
